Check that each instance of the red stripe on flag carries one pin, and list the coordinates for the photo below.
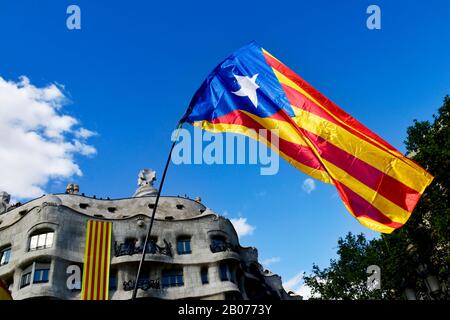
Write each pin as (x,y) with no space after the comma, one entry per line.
(94,262)
(86,276)
(362,208)
(390,188)
(300,101)
(325,102)
(298,152)
(100,270)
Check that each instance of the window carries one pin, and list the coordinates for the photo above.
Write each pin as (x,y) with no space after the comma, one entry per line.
(41,275)
(145,274)
(84,205)
(26,280)
(172,278)
(151,245)
(41,241)
(184,245)
(220,244)
(37,272)
(130,244)
(5,255)
(204,275)
(113,280)
(223,272)
(218,241)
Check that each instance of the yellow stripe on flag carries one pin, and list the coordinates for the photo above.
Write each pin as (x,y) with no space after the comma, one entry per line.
(374,225)
(365,151)
(391,210)
(288,82)
(240,129)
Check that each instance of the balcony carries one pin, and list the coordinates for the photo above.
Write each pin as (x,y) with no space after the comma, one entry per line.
(221,246)
(143,284)
(129,249)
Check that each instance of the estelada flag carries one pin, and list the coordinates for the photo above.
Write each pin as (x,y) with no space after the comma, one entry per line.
(4,292)
(97,260)
(252,90)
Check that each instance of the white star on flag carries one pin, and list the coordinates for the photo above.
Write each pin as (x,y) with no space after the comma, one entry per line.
(248,88)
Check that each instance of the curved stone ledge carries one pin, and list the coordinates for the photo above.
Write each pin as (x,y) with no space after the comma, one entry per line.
(176,207)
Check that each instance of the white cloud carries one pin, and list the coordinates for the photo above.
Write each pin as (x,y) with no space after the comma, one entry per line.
(267,262)
(309,185)
(38,142)
(242,227)
(294,282)
(335,195)
(261,194)
(83,133)
(297,285)
(304,291)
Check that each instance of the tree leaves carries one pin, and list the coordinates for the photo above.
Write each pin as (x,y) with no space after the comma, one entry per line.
(423,241)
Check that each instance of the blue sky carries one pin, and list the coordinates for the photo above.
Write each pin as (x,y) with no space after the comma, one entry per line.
(132,69)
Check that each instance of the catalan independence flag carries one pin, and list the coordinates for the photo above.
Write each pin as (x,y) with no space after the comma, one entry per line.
(95,284)
(252,90)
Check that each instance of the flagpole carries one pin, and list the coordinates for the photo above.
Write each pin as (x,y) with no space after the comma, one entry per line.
(147,237)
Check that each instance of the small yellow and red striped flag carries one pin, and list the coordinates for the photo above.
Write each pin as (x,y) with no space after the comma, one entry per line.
(251,90)
(4,292)
(97,255)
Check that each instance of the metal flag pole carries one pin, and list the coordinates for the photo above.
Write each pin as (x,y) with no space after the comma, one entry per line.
(147,237)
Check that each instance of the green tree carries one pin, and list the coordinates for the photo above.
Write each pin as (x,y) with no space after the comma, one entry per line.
(409,255)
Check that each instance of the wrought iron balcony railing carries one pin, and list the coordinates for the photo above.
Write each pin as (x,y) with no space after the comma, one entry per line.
(143,284)
(222,246)
(129,249)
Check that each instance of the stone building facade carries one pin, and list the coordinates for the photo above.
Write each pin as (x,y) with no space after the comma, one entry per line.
(193,253)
